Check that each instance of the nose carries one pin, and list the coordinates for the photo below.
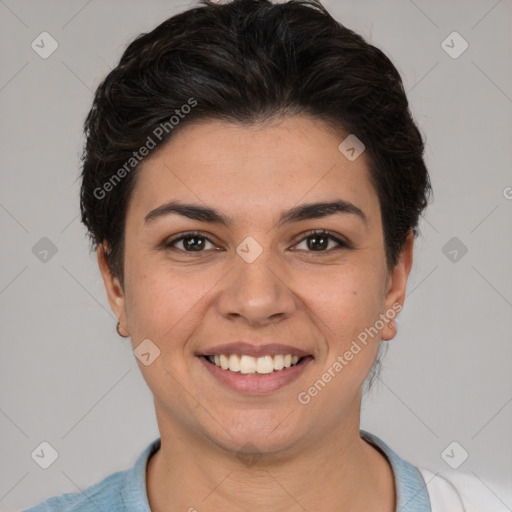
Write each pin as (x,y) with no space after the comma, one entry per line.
(257,293)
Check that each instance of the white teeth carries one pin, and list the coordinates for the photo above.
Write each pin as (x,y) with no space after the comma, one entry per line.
(224,362)
(247,364)
(278,362)
(234,363)
(265,364)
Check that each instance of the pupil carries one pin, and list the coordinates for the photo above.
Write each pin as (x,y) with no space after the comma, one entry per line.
(194,246)
(324,240)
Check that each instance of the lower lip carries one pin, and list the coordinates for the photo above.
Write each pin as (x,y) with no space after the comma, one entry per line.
(257,384)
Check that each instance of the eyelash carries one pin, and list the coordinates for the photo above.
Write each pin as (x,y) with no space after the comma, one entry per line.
(341,243)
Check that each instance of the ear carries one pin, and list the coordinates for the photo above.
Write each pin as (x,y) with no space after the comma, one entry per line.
(397,282)
(112,284)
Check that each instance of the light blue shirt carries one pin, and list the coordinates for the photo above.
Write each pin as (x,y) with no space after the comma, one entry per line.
(125,491)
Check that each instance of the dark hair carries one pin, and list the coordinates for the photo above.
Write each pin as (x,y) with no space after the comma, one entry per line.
(250,61)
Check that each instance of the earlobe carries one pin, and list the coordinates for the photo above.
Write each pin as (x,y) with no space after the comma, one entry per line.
(113,287)
(397,284)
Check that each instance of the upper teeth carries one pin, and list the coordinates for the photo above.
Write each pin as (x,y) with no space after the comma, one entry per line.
(249,364)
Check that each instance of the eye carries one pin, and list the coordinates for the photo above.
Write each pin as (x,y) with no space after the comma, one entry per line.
(318,241)
(191,242)
(315,241)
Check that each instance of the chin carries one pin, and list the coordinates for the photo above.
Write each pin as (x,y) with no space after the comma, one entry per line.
(258,432)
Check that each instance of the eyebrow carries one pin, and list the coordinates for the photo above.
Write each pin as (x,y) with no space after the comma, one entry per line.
(295,214)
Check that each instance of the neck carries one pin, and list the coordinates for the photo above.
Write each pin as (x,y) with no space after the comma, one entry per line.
(337,473)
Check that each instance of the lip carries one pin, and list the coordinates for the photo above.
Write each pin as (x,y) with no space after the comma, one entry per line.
(249,349)
(257,384)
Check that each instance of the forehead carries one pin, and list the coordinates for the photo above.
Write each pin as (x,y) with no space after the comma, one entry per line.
(243,169)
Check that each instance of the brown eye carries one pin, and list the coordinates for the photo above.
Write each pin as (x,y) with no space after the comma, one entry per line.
(318,241)
(191,242)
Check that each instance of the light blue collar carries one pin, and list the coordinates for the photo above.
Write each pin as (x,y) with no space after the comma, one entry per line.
(410,488)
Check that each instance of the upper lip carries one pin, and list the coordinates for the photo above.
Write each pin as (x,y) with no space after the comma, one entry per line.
(245,348)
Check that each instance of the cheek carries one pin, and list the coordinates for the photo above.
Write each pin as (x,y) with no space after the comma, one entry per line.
(347,299)
(163,302)
(347,303)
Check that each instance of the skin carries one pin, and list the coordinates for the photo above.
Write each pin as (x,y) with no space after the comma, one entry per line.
(310,457)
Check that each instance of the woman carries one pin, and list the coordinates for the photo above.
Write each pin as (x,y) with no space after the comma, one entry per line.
(252,183)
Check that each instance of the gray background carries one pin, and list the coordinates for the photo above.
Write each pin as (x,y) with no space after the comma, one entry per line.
(68,379)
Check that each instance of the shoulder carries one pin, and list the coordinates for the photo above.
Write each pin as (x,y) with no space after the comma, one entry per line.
(121,491)
(104,495)
(451,489)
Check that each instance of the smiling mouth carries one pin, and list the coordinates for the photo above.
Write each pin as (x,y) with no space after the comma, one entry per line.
(248,365)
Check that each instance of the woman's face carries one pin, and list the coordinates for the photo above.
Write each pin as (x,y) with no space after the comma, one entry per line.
(248,270)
